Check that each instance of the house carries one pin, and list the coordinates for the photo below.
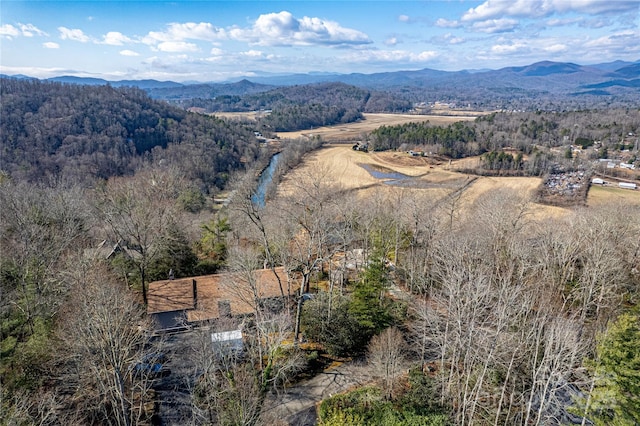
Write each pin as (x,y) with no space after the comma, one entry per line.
(108,250)
(183,302)
(227,342)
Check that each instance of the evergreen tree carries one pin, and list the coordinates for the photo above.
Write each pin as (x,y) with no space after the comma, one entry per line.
(615,398)
(368,304)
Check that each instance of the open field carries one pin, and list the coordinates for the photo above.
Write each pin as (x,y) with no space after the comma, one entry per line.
(371,122)
(599,195)
(389,172)
(238,115)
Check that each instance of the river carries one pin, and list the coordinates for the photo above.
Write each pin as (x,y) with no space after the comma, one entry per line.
(259,197)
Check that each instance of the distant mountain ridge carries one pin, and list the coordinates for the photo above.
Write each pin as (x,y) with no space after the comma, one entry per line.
(615,69)
(541,81)
(142,84)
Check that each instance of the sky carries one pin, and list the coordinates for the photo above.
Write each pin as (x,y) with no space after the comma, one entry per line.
(211,41)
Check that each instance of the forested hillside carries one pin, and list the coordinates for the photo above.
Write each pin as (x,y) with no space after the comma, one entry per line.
(305,106)
(86,132)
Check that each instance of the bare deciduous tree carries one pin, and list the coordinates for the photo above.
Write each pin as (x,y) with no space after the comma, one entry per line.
(139,211)
(110,358)
(386,355)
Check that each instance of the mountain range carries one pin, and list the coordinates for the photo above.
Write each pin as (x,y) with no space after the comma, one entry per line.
(619,80)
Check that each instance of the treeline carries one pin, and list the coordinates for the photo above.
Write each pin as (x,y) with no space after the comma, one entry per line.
(521,131)
(501,161)
(50,130)
(453,140)
(305,106)
(557,128)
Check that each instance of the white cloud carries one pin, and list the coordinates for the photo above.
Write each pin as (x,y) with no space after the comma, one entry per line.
(596,23)
(115,38)
(555,48)
(127,52)
(492,26)
(563,22)
(51,45)
(216,51)
(426,55)
(252,53)
(391,41)
(391,56)
(176,46)
(511,48)
(404,18)
(9,31)
(445,23)
(29,30)
(622,44)
(498,8)
(595,7)
(619,40)
(283,29)
(538,8)
(25,30)
(451,39)
(185,31)
(43,72)
(73,34)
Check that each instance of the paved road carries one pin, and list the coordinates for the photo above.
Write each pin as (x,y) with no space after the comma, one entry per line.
(297,405)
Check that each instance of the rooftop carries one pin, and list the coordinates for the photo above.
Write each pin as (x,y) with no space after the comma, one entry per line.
(203,297)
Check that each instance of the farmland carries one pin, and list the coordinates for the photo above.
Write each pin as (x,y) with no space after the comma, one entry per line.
(397,171)
(602,195)
(372,121)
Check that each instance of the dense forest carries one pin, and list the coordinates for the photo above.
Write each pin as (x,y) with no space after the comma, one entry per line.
(305,106)
(460,311)
(95,132)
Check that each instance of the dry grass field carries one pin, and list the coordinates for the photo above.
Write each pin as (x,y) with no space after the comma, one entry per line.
(600,195)
(391,172)
(371,121)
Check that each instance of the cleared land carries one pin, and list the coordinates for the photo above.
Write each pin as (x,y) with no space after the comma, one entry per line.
(371,121)
(599,195)
(366,173)
(389,172)
(352,131)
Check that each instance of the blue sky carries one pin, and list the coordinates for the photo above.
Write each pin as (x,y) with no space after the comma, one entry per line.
(229,40)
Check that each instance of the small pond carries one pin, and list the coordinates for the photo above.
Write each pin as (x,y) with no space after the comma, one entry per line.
(389,176)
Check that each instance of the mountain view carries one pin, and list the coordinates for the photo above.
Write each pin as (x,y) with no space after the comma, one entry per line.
(320,213)
(542,85)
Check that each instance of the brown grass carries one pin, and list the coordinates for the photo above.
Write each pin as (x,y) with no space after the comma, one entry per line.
(355,130)
(436,179)
(600,195)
